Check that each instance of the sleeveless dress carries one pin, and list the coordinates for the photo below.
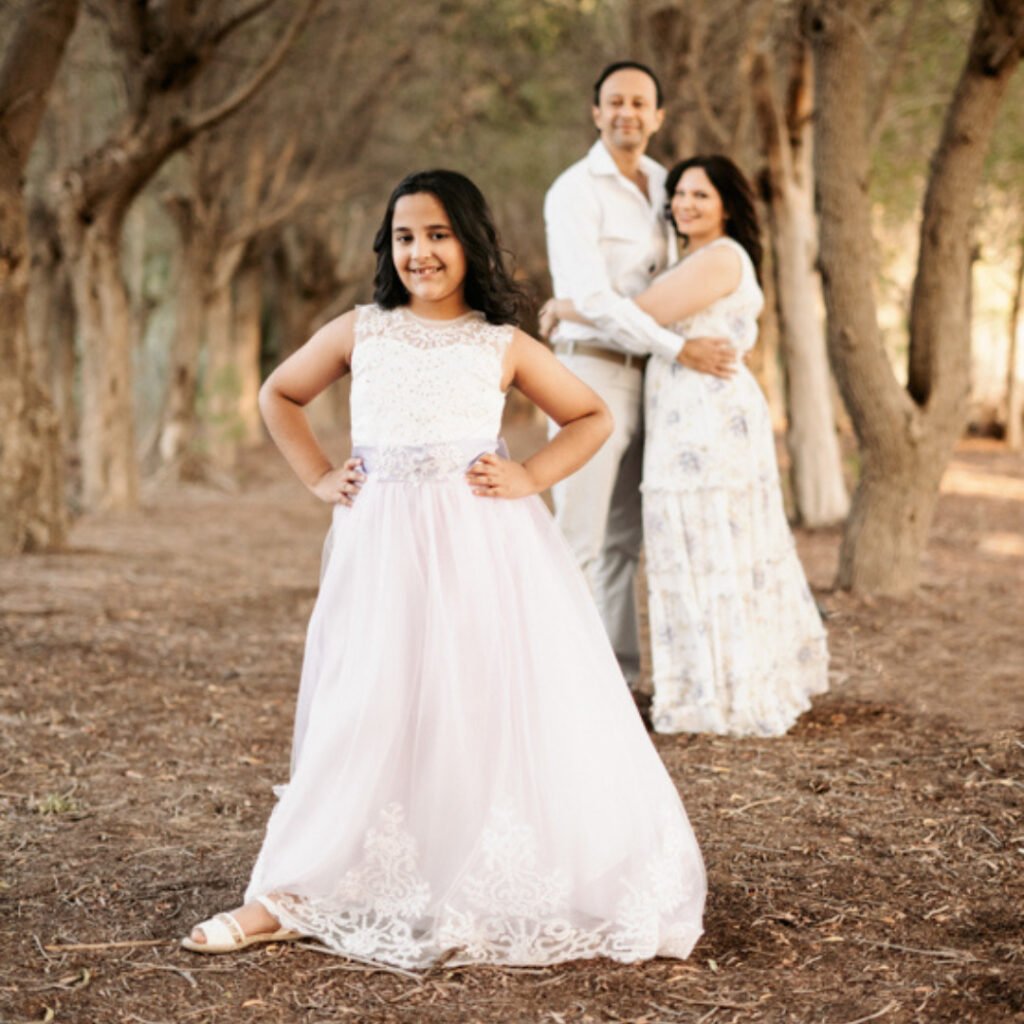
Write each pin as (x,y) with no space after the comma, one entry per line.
(469,772)
(737,641)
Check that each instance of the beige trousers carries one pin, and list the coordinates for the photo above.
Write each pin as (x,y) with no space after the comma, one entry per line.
(598,507)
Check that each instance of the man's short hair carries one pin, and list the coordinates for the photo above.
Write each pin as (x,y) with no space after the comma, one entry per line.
(621,65)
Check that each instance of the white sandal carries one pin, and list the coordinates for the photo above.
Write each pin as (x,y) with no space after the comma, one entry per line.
(225,935)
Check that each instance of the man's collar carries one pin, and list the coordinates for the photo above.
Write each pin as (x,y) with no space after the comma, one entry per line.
(600,161)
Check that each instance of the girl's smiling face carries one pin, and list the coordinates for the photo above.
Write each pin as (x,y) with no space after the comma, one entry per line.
(429,259)
(697,207)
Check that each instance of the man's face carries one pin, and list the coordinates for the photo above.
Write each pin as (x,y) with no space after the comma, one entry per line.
(628,113)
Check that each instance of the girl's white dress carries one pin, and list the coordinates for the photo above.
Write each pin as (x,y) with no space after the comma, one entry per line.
(469,771)
(737,641)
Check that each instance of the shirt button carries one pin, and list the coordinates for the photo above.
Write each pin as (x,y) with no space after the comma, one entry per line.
(652,268)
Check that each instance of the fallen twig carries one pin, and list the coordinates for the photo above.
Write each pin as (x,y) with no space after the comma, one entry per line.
(874,1016)
(187,975)
(940,954)
(719,1004)
(80,947)
(754,803)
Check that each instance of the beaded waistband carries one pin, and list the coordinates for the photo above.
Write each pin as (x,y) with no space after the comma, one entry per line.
(424,462)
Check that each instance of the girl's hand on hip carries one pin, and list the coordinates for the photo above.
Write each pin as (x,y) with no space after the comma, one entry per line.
(491,476)
(340,486)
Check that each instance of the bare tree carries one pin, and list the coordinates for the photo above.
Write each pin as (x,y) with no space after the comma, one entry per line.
(31,489)
(785,124)
(907,433)
(163,50)
(247,178)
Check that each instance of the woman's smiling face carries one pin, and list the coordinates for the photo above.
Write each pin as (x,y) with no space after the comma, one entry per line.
(697,207)
(429,258)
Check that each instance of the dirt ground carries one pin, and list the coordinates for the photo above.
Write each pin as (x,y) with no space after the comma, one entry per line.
(868,866)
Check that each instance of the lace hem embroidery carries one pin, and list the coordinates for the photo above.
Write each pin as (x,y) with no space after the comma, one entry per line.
(505,910)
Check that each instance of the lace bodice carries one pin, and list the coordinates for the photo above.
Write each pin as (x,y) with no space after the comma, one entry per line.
(734,316)
(419,382)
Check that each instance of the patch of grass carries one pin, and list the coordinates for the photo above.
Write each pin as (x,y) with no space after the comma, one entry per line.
(56,803)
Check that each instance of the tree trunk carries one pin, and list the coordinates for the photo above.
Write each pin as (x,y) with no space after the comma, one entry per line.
(51,319)
(110,476)
(1014,372)
(221,381)
(179,424)
(819,492)
(32,514)
(247,335)
(906,436)
(763,359)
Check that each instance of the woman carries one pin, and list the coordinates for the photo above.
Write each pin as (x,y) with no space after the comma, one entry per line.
(737,642)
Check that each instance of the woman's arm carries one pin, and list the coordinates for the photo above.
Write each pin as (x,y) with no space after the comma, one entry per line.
(690,286)
(294,384)
(584,420)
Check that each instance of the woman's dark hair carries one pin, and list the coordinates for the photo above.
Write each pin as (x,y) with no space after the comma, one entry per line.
(621,65)
(737,201)
(489,287)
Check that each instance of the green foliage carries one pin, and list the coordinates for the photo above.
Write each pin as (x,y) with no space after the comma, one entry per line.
(922,84)
(55,803)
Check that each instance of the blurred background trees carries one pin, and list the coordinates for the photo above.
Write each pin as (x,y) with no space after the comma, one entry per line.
(201,183)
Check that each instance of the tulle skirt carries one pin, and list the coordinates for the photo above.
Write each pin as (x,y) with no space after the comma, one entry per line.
(470,776)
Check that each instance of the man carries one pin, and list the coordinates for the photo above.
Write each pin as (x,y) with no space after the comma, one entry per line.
(607,238)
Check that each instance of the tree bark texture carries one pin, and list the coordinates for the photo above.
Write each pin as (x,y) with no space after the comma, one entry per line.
(178,423)
(110,474)
(819,491)
(51,318)
(906,435)
(32,513)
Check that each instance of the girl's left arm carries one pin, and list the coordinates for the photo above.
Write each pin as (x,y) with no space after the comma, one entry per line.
(583,417)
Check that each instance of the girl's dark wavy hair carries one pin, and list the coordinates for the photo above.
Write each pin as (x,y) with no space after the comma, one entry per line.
(737,196)
(489,285)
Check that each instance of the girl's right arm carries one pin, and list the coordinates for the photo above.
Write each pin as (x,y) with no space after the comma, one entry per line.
(325,358)
(583,417)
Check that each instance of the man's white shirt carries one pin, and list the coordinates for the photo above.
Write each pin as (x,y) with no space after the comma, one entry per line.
(606,242)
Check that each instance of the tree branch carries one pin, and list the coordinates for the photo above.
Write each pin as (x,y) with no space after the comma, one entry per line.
(889,78)
(221,32)
(29,67)
(756,37)
(217,113)
(707,113)
(774,140)
(939,357)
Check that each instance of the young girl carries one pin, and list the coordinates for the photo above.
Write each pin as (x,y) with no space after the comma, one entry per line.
(469,774)
(737,642)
